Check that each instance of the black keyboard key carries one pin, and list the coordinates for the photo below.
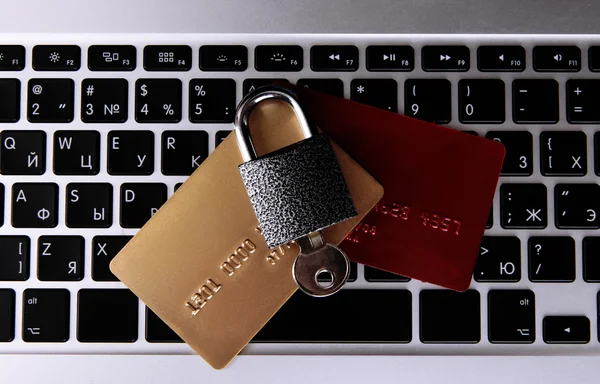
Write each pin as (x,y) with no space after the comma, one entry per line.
(10,94)
(501,58)
(436,58)
(223,58)
(50,100)
(333,58)
(34,205)
(46,315)
(140,201)
(12,57)
(89,205)
(60,258)
(379,93)
(518,160)
(7,315)
(1,204)
(107,316)
(428,99)
(563,153)
(167,58)
(157,331)
(250,85)
(56,58)
(333,87)
(104,100)
(556,59)
(576,206)
(379,276)
(523,206)
(183,151)
(220,136)
(551,259)
(450,317)
(383,316)
(177,186)
(481,101)
(76,153)
(499,260)
(594,58)
(130,153)
(567,330)
(104,249)
(390,58)
(112,58)
(591,259)
(14,258)
(158,101)
(490,219)
(583,97)
(511,316)
(212,100)
(22,152)
(278,58)
(597,153)
(535,101)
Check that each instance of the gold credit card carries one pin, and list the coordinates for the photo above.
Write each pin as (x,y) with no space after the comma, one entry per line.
(201,263)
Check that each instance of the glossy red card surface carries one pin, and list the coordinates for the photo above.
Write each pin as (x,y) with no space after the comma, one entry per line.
(439,185)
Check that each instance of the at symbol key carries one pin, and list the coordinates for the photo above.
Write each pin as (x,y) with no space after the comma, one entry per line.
(523,206)
(577,206)
(50,100)
(499,260)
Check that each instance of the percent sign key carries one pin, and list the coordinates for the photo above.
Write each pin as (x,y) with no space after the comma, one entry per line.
(158,100)
(212,100)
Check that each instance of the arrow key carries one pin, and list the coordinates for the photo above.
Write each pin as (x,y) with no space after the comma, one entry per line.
(566,330)
(454,58)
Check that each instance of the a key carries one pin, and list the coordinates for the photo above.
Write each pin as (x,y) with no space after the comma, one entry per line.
(183,151)
(46,314)
(158,100)
(60,258)
(107,316)
(563,153)
(104,249)
(278,58)
(379,93)
(597,153)
(501,58)
(499,260)
(566,330)
(594,58)
(523,206)
(333,58)
(518,160)
(89,205)
(583,97)
(250,85)
(379,276)
(130,153)
(576,206)
(157,331)
(34,205)
(7,315)
(591,259)
(379,321)
(481,101)
(556,59)
(22,152)
(223,58)
(112,58)
(10,94)
(428,99)
(551,259)
(220,136)
(535,101)
(139,202)
(450,317)
(167,58)
(76,153)
(333,87)
(12,57)
(56,58)
(446,58)
(104,100)
(50,100)
(511,316)
(14,258)
(212,100)
(390,58)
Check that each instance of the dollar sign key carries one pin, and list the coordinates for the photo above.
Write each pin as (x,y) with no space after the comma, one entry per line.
(144,90)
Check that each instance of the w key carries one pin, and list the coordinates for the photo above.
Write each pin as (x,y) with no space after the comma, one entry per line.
(76,152)
(577,206)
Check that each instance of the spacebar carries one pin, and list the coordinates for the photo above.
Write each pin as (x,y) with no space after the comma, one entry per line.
(349,316)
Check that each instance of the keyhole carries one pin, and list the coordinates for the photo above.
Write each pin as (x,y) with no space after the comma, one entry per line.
(324,278)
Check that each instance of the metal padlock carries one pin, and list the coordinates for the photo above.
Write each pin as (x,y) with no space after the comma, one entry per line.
(296,192)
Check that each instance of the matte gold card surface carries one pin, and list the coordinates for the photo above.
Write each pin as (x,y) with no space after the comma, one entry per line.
(201,264)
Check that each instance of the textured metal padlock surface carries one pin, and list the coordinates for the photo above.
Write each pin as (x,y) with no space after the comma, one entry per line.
(297,190)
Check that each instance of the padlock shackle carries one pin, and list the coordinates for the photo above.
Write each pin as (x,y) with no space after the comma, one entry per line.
(242,117)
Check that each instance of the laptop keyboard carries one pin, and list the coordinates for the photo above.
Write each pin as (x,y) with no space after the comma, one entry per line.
(97,131)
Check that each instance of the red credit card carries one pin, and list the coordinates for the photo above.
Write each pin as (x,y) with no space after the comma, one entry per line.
(439,185)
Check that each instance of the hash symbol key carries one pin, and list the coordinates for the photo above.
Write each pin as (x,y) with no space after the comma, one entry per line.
(104,100)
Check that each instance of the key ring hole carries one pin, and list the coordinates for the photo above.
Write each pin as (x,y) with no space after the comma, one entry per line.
(324,278)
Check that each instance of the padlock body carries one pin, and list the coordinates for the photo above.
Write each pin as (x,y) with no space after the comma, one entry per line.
(297,190)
